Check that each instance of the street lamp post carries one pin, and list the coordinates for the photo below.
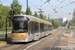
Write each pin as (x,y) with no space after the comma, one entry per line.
(6,29)
(27,7)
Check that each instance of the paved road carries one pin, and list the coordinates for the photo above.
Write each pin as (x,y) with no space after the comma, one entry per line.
(73,30)
(52,42)
(3,35)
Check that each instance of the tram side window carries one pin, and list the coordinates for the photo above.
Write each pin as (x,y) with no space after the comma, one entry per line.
(47,27)
(36,27)
(41,27)
(32,27)
(44,27)
(50,28)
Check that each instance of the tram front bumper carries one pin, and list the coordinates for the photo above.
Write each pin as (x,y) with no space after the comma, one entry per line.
(19,39)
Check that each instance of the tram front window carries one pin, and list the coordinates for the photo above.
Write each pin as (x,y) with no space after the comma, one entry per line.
(20,26)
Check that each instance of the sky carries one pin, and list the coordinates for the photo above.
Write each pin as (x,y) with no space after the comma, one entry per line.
(62,7)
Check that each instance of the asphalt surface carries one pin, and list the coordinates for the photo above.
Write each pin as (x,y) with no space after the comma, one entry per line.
(51,42)
(73,30)
(3,35)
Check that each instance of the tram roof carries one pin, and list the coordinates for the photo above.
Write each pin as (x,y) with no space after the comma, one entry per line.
(35,18)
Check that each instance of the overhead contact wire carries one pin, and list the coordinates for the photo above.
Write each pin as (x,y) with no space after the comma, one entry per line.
(65,5)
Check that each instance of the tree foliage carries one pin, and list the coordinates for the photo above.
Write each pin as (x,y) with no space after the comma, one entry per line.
(55,24)
(22,12)
(10,14)
(4,11)
(35,14)
(73,14)
(29,11)
(63,24)
(72,22)
(16,7)
(49,19)
(45,17)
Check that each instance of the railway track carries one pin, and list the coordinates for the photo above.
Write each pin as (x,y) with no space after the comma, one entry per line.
(34,48)
(35,44)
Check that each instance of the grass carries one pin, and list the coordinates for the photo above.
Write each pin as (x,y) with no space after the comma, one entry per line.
(4,29)
(68,31)
(73,28)
(3,39)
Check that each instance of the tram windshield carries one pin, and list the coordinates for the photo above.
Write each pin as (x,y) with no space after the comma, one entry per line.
(20,24)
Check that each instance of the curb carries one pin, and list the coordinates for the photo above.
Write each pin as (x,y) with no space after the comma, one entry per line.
(4,43)
(68,35)
(54,29)
(3,37)
(4,32)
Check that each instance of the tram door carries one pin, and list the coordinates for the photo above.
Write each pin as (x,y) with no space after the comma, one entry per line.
(32,30)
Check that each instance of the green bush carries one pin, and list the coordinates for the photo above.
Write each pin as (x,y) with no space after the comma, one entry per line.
(1,23)
(68,31)
(68,26)
(3,39)
(5,29)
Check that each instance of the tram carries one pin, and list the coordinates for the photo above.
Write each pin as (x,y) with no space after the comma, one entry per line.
(28,28)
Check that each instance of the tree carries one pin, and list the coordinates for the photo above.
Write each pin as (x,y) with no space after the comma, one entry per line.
(4,11)
(66,22)
(49,19)
(41,16)
(55,24)
(63,24)
(16,7)
(29,11)
(44,17)
(35,14)
(1,23)
(10,14)
(22,12)
(73,14)
(72,22)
